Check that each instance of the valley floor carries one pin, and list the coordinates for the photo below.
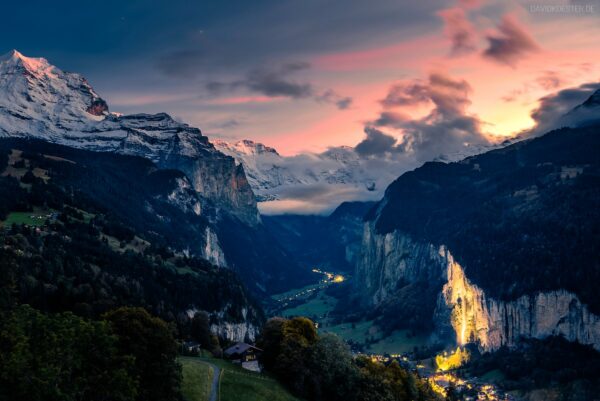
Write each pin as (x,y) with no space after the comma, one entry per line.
(365,337)
(313,302)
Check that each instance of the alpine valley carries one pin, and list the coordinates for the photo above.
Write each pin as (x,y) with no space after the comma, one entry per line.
(472,275)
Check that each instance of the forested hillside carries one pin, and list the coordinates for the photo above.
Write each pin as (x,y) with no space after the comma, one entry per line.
(88,247)
(520,219)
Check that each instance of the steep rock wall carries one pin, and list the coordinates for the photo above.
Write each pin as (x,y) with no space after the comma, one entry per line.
(236,332)
(393,258)
(386,260)
(494,323)
(245,329)
(212,250)
(216,178)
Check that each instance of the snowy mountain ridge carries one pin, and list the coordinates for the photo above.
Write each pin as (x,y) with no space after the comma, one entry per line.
(271,174)
(38,100)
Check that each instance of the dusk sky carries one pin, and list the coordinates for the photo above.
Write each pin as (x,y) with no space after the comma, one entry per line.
(306,75)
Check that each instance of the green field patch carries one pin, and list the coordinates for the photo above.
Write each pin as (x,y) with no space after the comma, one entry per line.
(242,385)
(197,379)
(35,218)
(41,173)
(365,332)
(298,293)
(399,342)
(237,384)
(18,171)
(358,332)
(316,308)
(186,270)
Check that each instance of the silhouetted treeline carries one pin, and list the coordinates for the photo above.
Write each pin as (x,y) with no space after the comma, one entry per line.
(321,367)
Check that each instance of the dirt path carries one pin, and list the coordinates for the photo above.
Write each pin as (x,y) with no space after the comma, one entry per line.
(214,389)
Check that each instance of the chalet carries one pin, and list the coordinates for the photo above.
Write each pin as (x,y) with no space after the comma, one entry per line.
(191,347)
(244,354)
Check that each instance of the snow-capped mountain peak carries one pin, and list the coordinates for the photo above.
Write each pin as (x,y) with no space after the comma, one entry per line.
(37,96)
(39,100)
(244,146)
(15,59)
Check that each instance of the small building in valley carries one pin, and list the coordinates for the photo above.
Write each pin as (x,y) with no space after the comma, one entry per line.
(245,354)
(190,347)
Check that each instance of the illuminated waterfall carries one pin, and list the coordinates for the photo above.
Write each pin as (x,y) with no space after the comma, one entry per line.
(469,316)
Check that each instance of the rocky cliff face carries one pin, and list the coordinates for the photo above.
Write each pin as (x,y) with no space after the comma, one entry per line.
(212,250)
(493,323)
(508,239)
(217,178)
(389,260)
(236,332)
(385,261)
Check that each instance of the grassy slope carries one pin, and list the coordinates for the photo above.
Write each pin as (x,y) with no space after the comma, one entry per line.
(197,379)
(396,343)
(35,218)
(319,307)
(237,384)
(299,293)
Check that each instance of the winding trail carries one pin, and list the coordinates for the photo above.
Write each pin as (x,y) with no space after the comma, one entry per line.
(214,389)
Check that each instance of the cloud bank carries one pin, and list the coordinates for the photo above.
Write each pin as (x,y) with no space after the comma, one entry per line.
(448,128)
(566,108)
(279,81)
(320,182)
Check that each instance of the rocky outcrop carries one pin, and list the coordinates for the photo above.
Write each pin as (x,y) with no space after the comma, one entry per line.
(215,176)
(235,332)
(393,259)
(212,250)
(98,107)
(245,328)
(184,197)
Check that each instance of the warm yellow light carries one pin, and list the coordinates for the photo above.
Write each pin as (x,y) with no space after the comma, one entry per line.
(338,278)
(437,388)
(453,360)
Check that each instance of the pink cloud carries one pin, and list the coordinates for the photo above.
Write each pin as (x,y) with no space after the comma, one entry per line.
(470,3)
(459,30)
(550,80)
(510,43)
